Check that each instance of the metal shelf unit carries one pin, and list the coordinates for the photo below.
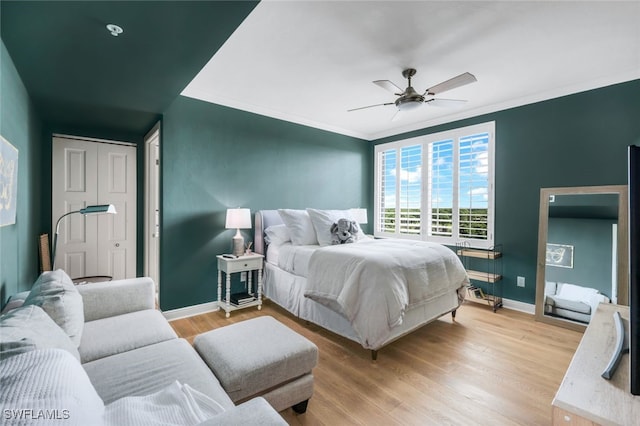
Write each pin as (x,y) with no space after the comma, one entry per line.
(491,274)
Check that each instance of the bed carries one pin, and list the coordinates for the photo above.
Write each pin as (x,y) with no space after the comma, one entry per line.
(372,291)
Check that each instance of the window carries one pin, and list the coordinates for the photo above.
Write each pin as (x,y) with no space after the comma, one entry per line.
(437,187)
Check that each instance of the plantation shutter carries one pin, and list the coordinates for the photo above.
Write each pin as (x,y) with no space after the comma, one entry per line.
(473,193)
(410,189)
(437,187)
(387,162)
(440,188)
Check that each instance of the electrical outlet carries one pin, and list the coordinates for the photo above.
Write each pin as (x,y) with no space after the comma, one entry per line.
(243,276)
(520,281)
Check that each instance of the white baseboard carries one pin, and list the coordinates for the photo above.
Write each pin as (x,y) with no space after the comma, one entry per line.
(189,311)
(516,305)
(203,308)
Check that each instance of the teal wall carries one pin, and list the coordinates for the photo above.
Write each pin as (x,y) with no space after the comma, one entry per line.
(213,157)
(21,126)
(592,241)
(574,140)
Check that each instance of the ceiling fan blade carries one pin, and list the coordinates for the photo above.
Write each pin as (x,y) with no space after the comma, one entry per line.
(397,115)
(390,86)
(452,83)
(369,106)
(445,102)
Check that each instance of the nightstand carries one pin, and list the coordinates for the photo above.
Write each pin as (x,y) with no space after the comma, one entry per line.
(246,263)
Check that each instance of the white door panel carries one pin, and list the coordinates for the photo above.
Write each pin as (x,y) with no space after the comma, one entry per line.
(116,166)
(87,173)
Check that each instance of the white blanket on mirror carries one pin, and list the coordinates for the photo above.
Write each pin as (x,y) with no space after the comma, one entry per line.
(376,281)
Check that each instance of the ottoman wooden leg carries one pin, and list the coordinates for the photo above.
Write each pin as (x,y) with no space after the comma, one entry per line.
(301,407)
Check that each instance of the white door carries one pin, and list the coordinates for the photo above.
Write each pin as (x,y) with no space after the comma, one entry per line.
(152,206)
(87,173)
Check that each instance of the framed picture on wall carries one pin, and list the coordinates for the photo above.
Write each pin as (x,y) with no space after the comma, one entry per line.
(8,182)
(560,255)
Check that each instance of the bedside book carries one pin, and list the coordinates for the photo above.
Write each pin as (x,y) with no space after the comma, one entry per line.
(241,298)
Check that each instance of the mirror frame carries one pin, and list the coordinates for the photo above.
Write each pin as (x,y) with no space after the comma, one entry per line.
(623,247)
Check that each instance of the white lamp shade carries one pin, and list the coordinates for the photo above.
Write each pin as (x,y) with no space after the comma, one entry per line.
(238,219)
(359,215)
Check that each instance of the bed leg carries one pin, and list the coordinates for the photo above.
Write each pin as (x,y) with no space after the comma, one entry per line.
(374,355)
(453,315)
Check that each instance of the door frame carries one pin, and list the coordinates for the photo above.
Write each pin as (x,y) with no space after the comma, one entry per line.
(151,232)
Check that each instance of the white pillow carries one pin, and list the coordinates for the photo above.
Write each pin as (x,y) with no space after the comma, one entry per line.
(29,328)
(322,221)
(300,227)
(48,382)
(55,293)
(277,234)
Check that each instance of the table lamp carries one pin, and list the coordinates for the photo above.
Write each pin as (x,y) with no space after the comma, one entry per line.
(238,219)
(97,209)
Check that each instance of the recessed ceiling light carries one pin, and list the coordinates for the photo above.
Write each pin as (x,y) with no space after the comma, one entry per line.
(114,29)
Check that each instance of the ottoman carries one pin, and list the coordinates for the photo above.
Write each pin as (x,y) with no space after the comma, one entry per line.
(261,357)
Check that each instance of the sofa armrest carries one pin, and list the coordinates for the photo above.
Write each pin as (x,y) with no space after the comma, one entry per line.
(256,411)
(110,298)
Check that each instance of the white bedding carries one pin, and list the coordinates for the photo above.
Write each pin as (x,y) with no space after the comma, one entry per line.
(372,283)
(294,259)
(287,289)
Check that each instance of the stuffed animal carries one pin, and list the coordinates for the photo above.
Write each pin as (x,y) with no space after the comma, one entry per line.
(344,231)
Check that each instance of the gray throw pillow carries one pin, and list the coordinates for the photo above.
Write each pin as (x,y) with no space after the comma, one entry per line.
(29,328)
(55,293)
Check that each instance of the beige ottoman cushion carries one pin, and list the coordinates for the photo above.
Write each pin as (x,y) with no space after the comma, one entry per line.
(256,355)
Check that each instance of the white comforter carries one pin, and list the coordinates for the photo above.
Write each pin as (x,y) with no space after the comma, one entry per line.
(378,280)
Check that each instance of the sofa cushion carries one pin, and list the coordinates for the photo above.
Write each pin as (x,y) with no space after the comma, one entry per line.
(29,328)
(575,292)
(113,335)
(151,368)
(55,293)
(571,305)
(110,298)
(47,384)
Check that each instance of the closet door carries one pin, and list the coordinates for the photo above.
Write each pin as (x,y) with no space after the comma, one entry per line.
(87,173)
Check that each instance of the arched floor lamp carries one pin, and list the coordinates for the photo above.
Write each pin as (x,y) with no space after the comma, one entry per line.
(97,209)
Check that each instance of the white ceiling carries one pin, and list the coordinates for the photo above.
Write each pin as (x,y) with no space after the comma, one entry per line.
(308,62)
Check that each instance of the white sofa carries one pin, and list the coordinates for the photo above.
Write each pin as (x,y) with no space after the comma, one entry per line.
(102,354)
(571,301)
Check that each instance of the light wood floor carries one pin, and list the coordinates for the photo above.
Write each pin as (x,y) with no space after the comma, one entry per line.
(483,369)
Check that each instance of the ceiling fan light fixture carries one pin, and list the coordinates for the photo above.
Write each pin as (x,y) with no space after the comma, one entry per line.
(410,102)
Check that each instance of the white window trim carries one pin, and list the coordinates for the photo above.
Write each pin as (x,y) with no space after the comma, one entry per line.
(425,140)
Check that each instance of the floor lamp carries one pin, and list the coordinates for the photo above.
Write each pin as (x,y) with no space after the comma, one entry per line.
(97,209)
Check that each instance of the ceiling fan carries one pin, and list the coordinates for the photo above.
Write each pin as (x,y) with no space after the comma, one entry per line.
(409,99)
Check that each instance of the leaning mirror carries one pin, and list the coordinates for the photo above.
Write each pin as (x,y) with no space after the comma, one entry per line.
(582,253)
